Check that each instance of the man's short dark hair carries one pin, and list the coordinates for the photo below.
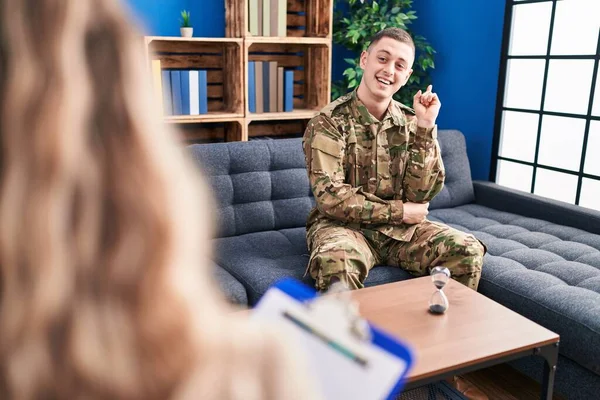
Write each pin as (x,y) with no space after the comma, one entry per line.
(394,33)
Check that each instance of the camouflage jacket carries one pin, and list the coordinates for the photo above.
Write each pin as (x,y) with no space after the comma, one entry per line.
(356,164)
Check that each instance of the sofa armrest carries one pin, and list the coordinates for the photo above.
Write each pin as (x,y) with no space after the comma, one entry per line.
(530,205)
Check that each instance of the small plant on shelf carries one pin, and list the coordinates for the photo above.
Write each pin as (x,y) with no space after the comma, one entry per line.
(186,27)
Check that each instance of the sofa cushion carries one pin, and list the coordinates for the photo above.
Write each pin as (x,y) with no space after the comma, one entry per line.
(259,259)
(233,290)
(546,272)
(258,186)
(458,187)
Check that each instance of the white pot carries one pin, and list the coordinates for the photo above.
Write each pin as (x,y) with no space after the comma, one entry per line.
(186,32)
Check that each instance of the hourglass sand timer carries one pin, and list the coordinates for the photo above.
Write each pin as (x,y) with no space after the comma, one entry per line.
(438,304)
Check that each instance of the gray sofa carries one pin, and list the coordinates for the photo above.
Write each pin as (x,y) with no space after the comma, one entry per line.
(543,256)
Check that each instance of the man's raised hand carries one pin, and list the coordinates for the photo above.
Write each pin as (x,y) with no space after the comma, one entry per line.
(427,107)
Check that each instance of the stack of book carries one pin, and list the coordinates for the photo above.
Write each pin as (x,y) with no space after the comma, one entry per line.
(267,17)
(270,87)
(180,92)
(184,92)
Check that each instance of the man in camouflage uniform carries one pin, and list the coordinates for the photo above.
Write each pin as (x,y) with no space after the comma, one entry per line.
(374,165)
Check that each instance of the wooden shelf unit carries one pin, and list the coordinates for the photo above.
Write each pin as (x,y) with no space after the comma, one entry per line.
(286,40)
(305,18)
(282,116)
(212,116)
(311,90)
(277,128)
(232,130)
(306,49)
(221,57)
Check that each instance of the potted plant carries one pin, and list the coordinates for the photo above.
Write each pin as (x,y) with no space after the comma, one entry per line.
(186,28)
(357,20)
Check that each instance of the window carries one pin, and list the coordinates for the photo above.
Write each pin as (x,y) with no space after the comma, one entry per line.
(547,132)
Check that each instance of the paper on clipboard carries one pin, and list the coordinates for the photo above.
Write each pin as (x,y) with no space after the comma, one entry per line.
(346,367)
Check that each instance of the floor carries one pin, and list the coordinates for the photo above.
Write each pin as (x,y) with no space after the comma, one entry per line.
(502,382)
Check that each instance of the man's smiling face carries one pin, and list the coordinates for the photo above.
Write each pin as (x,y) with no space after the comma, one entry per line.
(387,66)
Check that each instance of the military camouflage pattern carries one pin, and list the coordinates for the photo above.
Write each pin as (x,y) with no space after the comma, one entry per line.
(349,254)
(356,165)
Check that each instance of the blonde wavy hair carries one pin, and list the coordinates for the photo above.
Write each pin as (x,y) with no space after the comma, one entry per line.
(104,286)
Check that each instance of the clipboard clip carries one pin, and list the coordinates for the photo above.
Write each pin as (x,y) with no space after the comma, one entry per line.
(339,313)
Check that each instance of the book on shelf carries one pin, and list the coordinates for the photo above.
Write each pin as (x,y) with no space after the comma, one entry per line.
(157,83)
(253,17)
(176,92)
(258,86)
(259,22)
(184,92)
(266,84)
(278,17)
(280,71)
(194,92)
(282,18)
(167,98)
(266,23)
(251,87)
(203,91)
(288,91)
(270,87)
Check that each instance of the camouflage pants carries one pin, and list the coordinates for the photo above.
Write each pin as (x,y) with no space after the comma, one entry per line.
(349,254)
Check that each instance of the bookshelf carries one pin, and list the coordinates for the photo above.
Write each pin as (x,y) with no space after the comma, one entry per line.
(223,60)
(306,49)
(305,18)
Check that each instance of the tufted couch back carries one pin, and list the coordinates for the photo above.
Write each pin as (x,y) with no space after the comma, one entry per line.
(259,185)
(458,186)
(262,185)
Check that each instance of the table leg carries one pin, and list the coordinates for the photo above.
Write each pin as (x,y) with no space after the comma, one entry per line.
(550,355)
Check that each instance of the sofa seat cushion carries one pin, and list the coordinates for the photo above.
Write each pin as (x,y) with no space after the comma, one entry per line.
(260,259)
(233,290)
(546,272)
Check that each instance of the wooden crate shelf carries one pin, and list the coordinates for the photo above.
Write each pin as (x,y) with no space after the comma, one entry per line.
(183,42)
(215,131)
(306,49)
(311,90)
(305,18)
(286,40)
(212,116)
(281,116)
(221,57)
(280,128)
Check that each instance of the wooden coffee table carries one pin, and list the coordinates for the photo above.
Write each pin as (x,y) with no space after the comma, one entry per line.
(474,333)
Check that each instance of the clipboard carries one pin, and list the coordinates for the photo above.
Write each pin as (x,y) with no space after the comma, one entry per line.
(351,358)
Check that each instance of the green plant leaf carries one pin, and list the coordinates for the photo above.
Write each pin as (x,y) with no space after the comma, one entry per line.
(185,19)
(357,21)
(350,73)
